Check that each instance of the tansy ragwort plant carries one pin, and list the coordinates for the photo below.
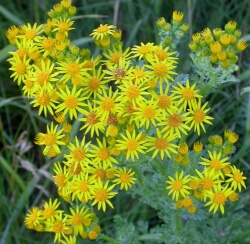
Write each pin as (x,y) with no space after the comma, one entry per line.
(134,119)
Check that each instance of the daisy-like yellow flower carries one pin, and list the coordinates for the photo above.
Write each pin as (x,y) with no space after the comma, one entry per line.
(164,101)
(44,101)
(236,179)
(132,144)
(78,219)
(70,69)
(161,71)
(94,83)
(186,95)
(50,209)
(218,198)
(31,33)
(198,116)
(12,33)
(148,113)
(102,31)
(79,153)
(91,121)
(175,122)
(102,153)
(115,54)
(207,179)
(101,195)
(46,45)
(178,186)
(33,218)
(134,92)
(142,51)
(118,72)
(58,226)
(82,186)
(61,178)
(51,139)
(63,25)
(164,54)
(72,102)
(29,87)
(108,103)
(215,163)
(20,68)
(124,178)
(162,144)
(45,75)
(139,74)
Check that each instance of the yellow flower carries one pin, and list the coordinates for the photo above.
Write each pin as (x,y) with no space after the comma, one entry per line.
(52,139)
(102,193)
(94,83)
(161,71)
(148,113)
(198,117)
(115,54)
(131,144)
(177,16)
(134,92)
(78,219)
(92,121)
(124,178)
(118,72)
(44,101)
(218,198)
(236,179)
(108,103)
(82,185)
(20,68)
(79,153)
(58,226)
(33,218)
(187,95)
(178,186)
(45,75)
(241,45)
(142,51)
(72,102)
(102,153)
(215,163)
(63,25)
(162,144)
(70,69)
(31,33)
(175,122)
(50,209)
(102,31)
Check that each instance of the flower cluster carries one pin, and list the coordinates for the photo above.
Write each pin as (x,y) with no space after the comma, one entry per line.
(123,105)
(215,183)
(220,46)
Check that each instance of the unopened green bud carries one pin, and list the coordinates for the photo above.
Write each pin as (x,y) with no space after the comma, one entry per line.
(167,27)
(179,33)
(184,27)
(74,50)
(237,33)
(168,40)
(72,10)
(193,46)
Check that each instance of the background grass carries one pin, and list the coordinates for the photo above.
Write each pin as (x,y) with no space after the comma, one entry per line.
(24,178)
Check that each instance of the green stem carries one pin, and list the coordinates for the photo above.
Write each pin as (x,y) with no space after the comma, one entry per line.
(109,239)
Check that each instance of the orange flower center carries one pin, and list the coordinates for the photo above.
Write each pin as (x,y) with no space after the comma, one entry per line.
(71,102)
(43,99)
(107,104)
(125,178)
(132,145)
(164,101)
(72,69)
(215,164)
(49,139)
(78,154)
(20,69)
(103,154)
(94,83)
(77,219)
(149,112)
(219,198)
(115,58)
(132,92)
(161,143)
(83,186)
(91,119)
(160,70)
(207,184)
(144,49)
(100,173)
(102,29)
(57,227)
(48,212)
(238,176)
(60,180)
(101,195)
(174,120)
(188,94)
(162,55)
(119,73)
(43,77)
(177,185)
(30,34)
